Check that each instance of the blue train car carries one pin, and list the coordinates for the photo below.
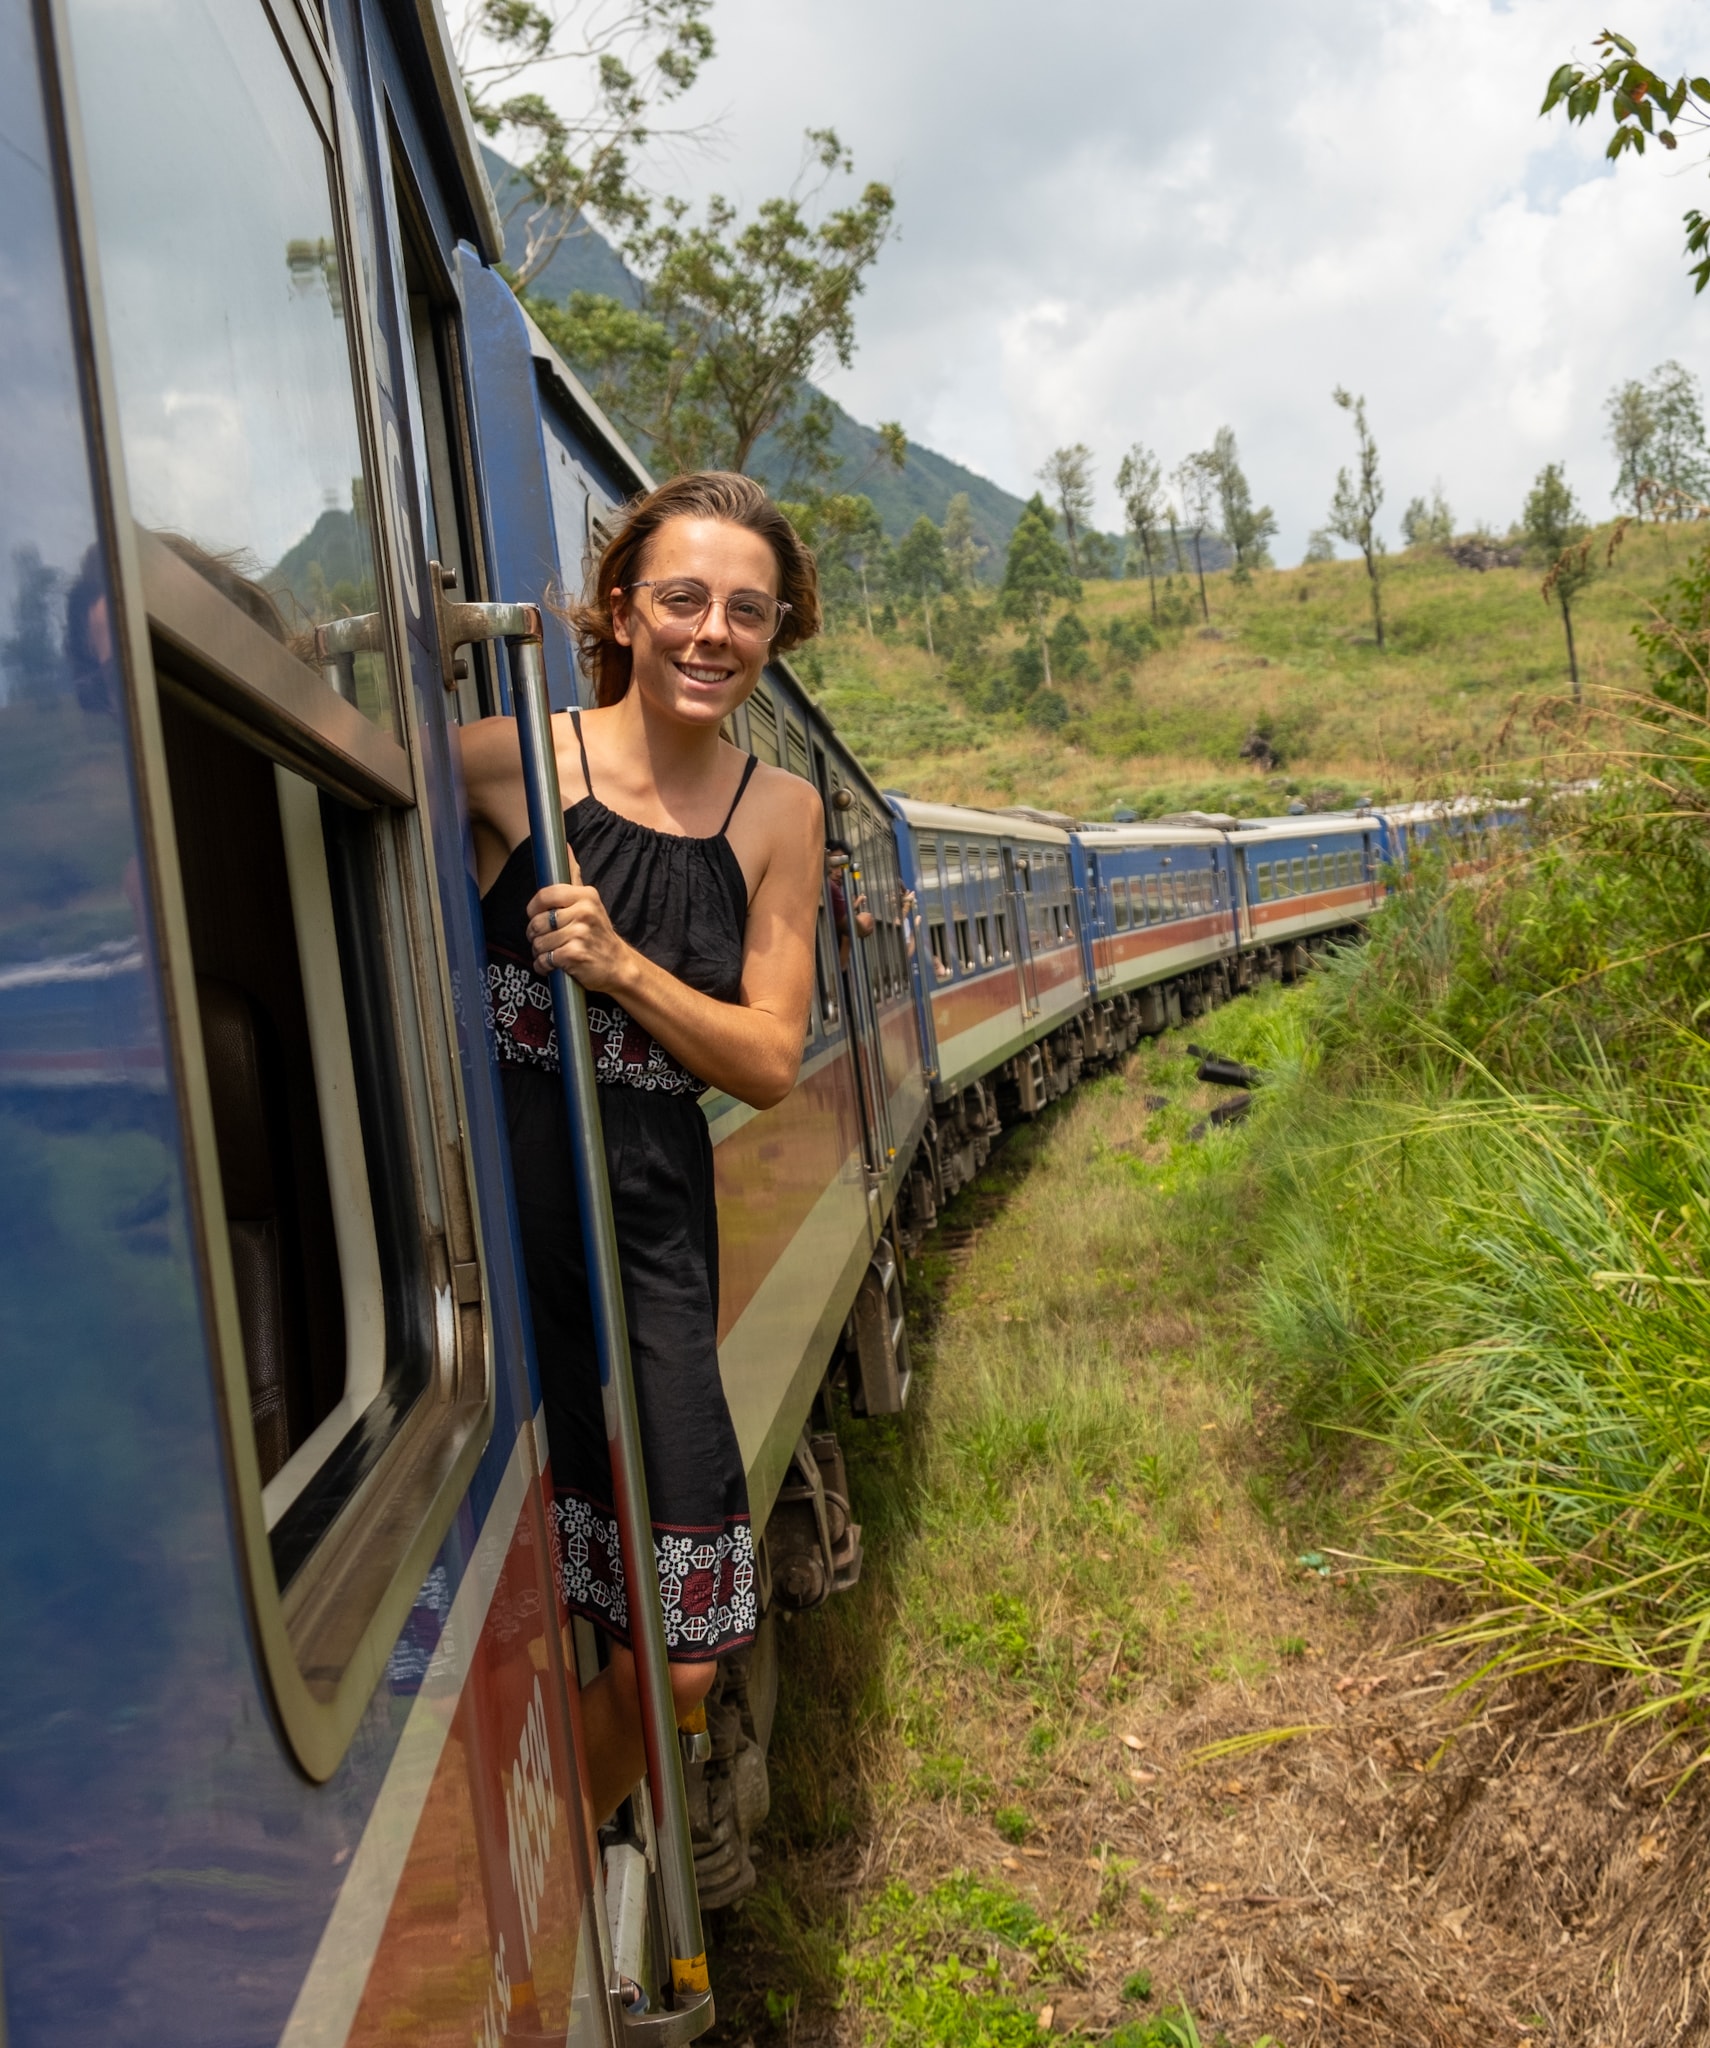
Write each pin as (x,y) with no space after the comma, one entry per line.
(1302,880)
(286,1747)
(1160,939)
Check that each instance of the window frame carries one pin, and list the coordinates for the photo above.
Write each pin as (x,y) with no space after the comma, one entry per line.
(342,1612)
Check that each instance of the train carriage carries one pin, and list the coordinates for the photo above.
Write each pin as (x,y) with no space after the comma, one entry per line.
(1160,927)
(1301,879)
(1000,993)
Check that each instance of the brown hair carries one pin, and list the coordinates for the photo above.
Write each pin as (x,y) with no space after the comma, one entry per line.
(705,494)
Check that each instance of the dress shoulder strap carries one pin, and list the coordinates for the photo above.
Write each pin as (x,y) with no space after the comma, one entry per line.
(582,748)
(747,775)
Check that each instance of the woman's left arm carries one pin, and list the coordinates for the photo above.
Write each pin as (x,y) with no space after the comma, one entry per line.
(751,1048)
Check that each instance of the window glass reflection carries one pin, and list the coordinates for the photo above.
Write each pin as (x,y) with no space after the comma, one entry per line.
(226,305)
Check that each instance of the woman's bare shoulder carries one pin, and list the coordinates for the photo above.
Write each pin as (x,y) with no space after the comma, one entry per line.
(489,746)
(789,802)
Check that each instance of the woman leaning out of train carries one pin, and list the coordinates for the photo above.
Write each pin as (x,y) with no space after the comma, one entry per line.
(689,920)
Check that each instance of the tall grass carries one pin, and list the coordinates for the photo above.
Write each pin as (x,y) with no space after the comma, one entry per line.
(1487,1232)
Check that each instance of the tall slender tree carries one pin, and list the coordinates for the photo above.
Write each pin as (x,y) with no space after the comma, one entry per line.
(920,566)
(962,545)
(1036,574)
(1247,527)
(1558,540)
(1140,484)
(1354,508)
(1068,471)
(1196,480)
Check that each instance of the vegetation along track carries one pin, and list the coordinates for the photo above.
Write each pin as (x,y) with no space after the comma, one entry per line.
(1117,1739)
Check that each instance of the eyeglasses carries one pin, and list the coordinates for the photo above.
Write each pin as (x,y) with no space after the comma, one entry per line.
(683,606)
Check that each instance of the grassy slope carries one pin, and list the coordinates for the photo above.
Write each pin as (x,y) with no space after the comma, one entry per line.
(1101,1738)
(1470,657)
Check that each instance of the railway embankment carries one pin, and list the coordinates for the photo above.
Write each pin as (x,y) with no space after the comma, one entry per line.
(1284,1616)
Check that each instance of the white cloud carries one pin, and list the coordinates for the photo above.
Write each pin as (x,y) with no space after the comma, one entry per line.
(1125,222)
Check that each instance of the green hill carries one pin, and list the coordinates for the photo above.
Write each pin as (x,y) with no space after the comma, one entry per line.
(1285,694)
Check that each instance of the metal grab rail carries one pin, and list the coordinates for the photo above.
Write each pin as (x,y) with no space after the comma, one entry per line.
(518,625)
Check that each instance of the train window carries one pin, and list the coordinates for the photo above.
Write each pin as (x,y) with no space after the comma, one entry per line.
(227,285)
(763,724)
(953,875)
(940,950)
(983,939)
(1154,909)
(1264,878)
(824,972)
(1003,936)
(1298,868)
(1119,903)
(795,748)
(964,950)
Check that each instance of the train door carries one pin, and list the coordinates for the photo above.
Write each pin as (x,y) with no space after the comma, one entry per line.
(1099,925)
(858,963)
(1018,888)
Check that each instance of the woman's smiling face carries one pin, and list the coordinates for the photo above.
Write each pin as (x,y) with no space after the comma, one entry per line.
(701,675)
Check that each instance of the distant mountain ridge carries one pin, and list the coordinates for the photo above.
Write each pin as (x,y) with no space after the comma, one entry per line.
(586,262)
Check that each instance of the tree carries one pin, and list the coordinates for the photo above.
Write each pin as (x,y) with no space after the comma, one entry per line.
(1631,431)
(1354,508)
(1140,485)
(919,564)
(1069,473)
(629,56)
(1196,479)
(1246,528)
(1656,430)
(1428,525)
(1557,538)
(1637,96)
(848,539)
(962,546)
(734,322)
(1320,547)
(1036,573)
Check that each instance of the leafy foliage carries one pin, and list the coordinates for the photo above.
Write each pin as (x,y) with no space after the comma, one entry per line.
(1637,95)
(735,320)
(1140,484)
(1247,527)
(629,56)
(1068,471)
(1656,429)
(1036,573)
(1428,525)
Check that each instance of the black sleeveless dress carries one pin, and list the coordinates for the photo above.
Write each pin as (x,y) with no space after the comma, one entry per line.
(684,903)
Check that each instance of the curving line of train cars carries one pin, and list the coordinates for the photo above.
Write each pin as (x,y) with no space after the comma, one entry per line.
(289,1722)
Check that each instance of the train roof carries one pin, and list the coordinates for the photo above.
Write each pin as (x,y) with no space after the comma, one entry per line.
(1306,825)
(964,818)
(1103,838)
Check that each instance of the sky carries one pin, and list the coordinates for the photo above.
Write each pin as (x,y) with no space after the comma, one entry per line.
(1122,222)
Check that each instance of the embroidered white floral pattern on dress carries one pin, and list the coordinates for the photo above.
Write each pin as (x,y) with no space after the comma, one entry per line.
(706,1577)
(519,1009)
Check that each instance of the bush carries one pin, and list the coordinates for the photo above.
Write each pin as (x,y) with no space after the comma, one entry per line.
(1048,709)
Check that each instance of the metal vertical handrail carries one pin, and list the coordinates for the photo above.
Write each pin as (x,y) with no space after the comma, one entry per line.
(519,627)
